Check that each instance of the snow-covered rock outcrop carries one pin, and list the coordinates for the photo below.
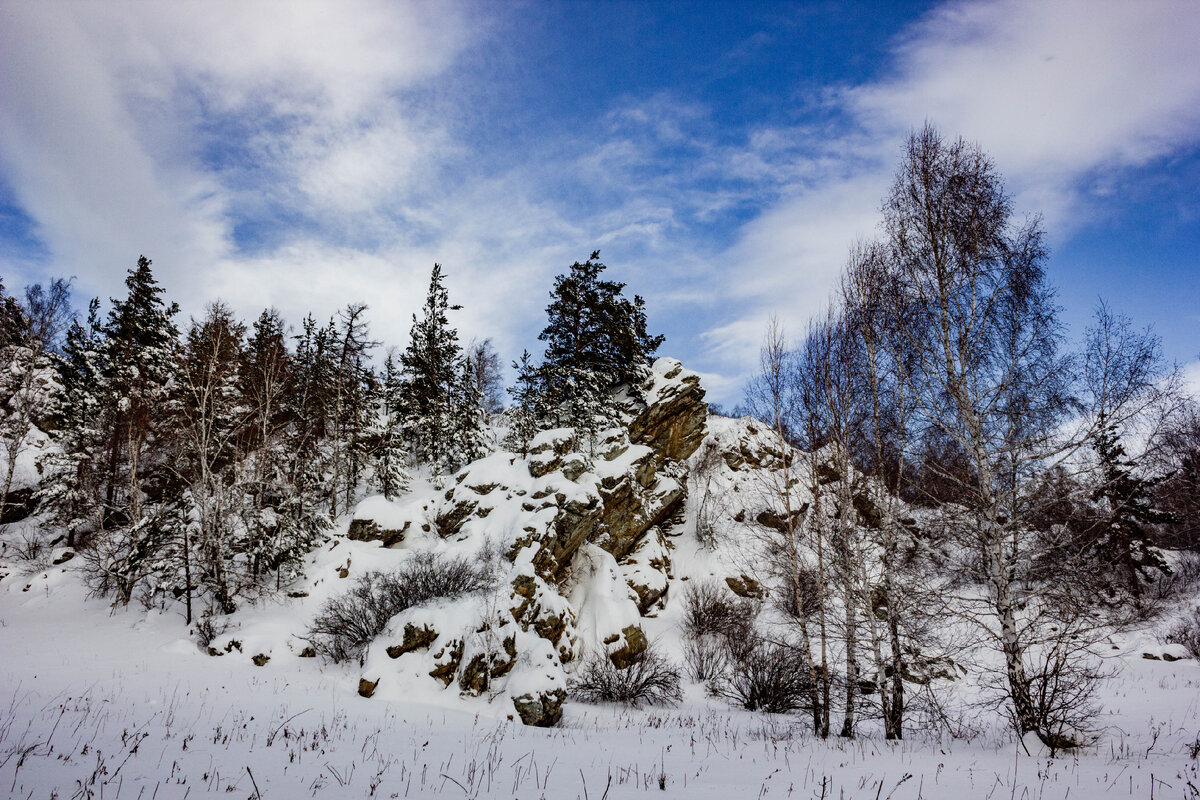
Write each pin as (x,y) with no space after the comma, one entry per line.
(578,537)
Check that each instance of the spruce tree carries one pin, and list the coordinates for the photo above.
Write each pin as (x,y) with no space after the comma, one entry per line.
(304,504)
(596,339)
(391,477)
(283,396)
(74,499)
(1120,538)
(467,416)
(117,379)
(440,433)
(12,321)
(140,346)
(526,412)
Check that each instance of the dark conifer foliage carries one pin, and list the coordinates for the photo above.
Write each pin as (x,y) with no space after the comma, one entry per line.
(526,413)
(442,415)
(117,379)
(596,339)
(1179,490)
(391,474)
(11,319)
(1120,538)
(354,405)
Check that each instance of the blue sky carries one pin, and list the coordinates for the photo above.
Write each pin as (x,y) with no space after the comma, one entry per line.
(722,156)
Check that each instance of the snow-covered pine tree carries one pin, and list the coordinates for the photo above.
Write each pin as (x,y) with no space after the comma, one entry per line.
(264,378)
(526,413)
(74,499)
(595,340)
(1120,538)
(117,377)
(433,370)
(302,510)
(11,320)
(354,390)
(467,416)
(391,477)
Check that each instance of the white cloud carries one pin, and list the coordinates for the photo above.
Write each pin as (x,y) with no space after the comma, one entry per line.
(1057,93)
(130,127)
(1053,91)
(106,111)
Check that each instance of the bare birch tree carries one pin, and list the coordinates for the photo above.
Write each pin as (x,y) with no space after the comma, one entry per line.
(981,324)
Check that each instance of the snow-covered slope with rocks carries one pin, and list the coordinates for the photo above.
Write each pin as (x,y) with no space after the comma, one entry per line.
(591,549)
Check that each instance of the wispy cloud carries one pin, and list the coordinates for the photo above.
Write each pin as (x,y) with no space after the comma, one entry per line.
(1058,94)
(306,155)
(159,128)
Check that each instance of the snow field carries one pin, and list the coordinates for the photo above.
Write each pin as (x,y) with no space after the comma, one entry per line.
(126,706)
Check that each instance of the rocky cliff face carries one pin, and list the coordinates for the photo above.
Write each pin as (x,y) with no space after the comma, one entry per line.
(580,533)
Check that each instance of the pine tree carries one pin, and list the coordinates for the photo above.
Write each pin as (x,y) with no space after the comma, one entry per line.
(73,499)
(286,398)
(11,319)
(354,390)
(117,378)
(1120,538)
(438,430)
(467,417)
(596,339)
(526,413)
(391,477)
(264,375)
(299,514)
(139,356)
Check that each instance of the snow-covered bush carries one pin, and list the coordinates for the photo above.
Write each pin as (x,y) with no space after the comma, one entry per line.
(208,628)
(347,623)
(650,680)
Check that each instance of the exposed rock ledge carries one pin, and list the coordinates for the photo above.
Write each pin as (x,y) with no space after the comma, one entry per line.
(582,545)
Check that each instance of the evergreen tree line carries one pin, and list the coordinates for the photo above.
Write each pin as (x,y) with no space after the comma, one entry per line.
(204,464)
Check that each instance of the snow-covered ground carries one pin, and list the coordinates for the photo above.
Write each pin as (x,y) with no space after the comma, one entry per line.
(123,704)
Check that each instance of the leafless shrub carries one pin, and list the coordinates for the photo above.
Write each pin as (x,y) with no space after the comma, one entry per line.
(1063,686)
(1182,581)
(1187,633)
(1063,677)
(30,546)
(706,658)
(209,627)
(800,594)
(765,676)
(711,504)
(712,610)
(347,623)
(651,680)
